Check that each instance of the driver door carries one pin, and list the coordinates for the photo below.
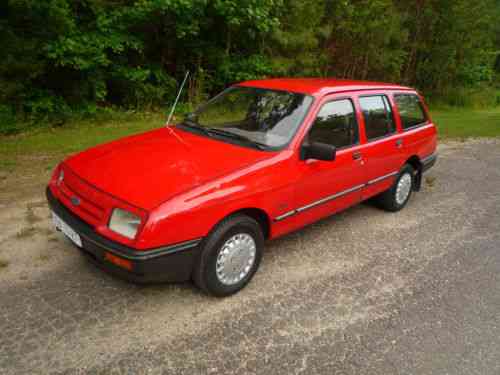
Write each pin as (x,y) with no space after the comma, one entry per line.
(326,187)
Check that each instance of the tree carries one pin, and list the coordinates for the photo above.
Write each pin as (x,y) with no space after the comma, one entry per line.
(64,56)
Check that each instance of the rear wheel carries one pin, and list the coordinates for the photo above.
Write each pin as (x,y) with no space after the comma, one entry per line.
(395,198)
(230,256)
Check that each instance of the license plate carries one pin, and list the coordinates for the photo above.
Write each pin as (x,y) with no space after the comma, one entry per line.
(67,230)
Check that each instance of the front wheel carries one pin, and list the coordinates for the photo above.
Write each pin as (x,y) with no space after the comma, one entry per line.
(395,198)
(229,256)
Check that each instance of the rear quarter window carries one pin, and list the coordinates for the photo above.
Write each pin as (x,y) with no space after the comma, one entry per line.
(410,110)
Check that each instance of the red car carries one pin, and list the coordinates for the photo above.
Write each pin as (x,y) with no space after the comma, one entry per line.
(199,199)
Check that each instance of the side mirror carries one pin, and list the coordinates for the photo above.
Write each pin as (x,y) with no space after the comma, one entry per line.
(318,151)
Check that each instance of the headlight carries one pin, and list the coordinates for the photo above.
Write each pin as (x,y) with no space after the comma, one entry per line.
(60,178)
(124,223)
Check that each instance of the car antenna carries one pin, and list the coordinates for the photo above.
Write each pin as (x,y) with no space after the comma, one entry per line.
(176,100)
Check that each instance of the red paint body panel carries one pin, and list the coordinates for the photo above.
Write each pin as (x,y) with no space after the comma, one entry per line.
(150,168)
(182,184)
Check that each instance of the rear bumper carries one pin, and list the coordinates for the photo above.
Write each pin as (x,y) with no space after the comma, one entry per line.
(166,264)
(429,162)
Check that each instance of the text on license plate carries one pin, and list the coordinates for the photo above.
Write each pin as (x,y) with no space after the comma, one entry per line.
(66,229)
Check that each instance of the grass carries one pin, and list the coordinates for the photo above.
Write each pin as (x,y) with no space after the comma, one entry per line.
(45,146)
(465,123)
(49,144)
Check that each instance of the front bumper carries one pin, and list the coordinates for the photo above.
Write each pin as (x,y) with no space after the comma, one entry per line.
(166,264)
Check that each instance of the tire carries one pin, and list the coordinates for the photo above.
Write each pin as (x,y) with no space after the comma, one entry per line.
(239,236)
(389,200)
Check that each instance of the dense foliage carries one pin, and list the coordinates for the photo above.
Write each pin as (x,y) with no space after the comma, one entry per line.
(63,56)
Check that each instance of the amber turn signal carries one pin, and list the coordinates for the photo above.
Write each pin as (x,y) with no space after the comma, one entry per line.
(120,262)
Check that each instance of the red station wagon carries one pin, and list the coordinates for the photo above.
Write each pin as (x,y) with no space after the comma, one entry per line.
(199,199)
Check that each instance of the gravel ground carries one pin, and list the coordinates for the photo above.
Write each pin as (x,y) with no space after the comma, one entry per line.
(363,292)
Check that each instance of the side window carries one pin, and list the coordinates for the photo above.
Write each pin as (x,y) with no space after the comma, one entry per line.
(410,109)
(335,124)
(377,113)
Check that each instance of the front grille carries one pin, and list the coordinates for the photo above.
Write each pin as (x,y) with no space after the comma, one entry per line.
(90,208)
(87,209)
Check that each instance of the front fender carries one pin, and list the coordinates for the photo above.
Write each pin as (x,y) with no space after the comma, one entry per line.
(193,214)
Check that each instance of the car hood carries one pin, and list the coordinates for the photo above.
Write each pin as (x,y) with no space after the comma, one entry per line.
(148,169)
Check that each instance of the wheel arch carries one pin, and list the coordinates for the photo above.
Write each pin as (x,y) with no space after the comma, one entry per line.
(258,214)
(416,163)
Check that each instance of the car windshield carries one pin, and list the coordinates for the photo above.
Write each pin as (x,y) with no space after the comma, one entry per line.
(251,116)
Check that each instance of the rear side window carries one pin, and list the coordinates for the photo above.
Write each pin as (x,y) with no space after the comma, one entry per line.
(335,124)
(410,110)
(377,113)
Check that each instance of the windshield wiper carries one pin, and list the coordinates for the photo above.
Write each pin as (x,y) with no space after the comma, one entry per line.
(223,133)
(194,125)
(237,137)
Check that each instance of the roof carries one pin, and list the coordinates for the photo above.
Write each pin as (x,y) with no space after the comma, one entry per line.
(320,86)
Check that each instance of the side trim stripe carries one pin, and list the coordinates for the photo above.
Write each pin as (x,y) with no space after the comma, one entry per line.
(284,216)
(333,197)
(429,159)
(374,181)
(330,198)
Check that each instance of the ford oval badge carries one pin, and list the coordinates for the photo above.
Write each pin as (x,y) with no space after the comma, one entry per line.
(75,201)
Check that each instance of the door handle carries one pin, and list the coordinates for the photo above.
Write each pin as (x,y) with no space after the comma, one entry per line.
(356,155)
(399,143)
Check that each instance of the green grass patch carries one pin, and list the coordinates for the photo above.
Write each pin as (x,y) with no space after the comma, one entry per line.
(6,163)
(52,143)
(77,136)
(466,123)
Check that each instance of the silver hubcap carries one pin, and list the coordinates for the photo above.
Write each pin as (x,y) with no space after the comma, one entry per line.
(235,259)
(404,188)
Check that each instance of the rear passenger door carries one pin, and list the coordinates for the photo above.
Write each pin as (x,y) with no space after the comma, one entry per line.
(382,149)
